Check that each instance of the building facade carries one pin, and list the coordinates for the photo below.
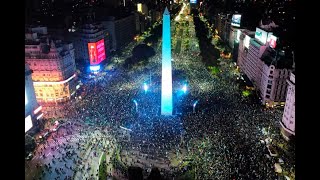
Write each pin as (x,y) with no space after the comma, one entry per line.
(288,119)
(122,31)
(244,43)
(53,66)
(89,33)
(223,26)
(33,111)
(265,67)
(251,64)
(273,87)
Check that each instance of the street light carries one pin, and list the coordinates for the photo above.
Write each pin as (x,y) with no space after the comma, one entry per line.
(194,105)
(184,88)
(145,87)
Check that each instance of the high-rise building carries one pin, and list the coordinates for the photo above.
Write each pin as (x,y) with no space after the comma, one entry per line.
(53,65)
(275,71)
(122,30)
(142,8)
(33,111)
(252,65)
(244,43)
(89,33)
(266,66)
(288,119)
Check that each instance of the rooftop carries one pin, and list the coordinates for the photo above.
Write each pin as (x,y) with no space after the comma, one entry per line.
(31,42)
(278,58)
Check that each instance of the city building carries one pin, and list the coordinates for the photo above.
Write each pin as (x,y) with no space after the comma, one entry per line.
(140,22)
(112,3)
(53,65)
(244,43)
(265,66)
(142,8)
(234,37)
(288,119)
(90,33)
(122,30)
(155,15)
(251,63)
(277,66)
(33,111)
(220,22)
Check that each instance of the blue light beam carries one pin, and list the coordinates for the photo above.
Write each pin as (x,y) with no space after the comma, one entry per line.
(184,88)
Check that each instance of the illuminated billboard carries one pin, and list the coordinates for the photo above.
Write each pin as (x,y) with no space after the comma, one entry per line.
(193,1)
(246,41)
(261,35)
(272,40)
(236,20)
(25,98)
(28,123)
(96,52)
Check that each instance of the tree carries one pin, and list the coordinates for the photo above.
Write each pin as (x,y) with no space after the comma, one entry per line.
(142,51)
(214,70)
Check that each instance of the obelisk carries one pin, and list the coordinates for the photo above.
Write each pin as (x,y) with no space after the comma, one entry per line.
(166,79)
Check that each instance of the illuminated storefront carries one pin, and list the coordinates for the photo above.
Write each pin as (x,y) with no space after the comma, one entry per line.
(33,111)
(53,72)
(54,91)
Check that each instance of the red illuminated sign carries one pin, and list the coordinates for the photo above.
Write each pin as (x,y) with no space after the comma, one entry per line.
(96,52)
(273,43)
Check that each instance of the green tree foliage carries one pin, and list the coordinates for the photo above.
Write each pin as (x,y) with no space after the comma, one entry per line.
(214,70)
(246,93)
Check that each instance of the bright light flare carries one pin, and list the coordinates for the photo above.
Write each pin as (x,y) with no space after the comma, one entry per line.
(184,88)
(195,103)
(37,110)
(135,102)
(40,116)
(145,87)
(28,123)
(95,68)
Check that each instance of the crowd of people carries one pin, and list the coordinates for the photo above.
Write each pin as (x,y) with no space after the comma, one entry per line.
(220,136)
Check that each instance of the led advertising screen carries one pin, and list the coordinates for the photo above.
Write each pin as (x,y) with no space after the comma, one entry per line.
(26,98)
(236,20)
(272,40)
(261,35)
(28,123)
(246,41)
(96,52)
(193,1)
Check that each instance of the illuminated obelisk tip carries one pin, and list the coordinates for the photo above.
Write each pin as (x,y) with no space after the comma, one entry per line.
(166,85)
